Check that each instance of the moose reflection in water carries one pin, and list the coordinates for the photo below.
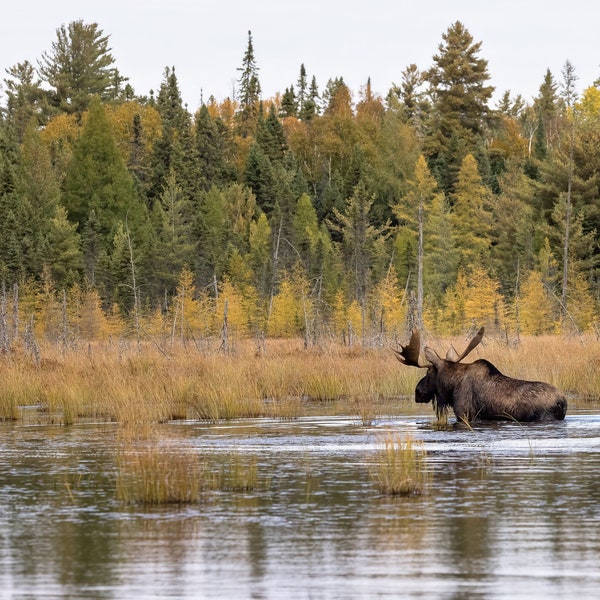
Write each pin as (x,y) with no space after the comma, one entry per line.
(478,391)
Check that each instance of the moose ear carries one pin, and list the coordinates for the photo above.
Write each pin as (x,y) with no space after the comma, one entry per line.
(432,357)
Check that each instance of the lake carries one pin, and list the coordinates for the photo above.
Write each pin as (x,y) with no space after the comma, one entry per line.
(511,511)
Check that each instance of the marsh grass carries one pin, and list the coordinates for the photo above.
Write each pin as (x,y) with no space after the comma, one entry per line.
(401,467)
(152,470)
(155,476)
(138,383)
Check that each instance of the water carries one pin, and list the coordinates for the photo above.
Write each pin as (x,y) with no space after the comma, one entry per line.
(512,511)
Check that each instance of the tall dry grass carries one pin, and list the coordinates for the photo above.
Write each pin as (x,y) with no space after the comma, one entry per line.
(138,384)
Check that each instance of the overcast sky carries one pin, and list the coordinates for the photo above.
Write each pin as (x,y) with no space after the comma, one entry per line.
(205,39)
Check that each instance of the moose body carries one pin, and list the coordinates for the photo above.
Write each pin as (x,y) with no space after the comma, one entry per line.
(479,391)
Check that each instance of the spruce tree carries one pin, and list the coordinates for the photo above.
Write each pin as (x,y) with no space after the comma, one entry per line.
(249,91)
(97,177)
(175,150)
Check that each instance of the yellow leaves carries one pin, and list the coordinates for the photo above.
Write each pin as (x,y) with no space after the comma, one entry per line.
(589,106)
(536,311)
(389,298)
(238,307)
(189,314)
(290,310)
(474,300)
(122,116)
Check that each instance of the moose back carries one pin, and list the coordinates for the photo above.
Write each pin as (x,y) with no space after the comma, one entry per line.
(478,390)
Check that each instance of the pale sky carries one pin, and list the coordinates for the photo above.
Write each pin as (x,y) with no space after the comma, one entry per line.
(205,40)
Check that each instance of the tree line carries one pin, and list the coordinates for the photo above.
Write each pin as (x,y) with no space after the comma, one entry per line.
(316,212)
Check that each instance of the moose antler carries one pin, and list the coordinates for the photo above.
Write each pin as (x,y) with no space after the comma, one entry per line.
(472,344)
(409,355)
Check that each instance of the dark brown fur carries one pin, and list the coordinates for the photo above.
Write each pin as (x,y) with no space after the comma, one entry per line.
(478,391)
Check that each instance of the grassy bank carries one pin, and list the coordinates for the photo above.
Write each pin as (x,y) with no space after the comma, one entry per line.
(141,383)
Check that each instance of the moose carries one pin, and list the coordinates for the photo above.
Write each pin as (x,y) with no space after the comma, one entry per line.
(478,391)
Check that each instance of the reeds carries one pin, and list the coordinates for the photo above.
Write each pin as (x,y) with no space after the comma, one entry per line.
(152,470)
(137,383)
(401,467)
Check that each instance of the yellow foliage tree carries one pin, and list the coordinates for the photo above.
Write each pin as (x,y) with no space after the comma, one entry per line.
(60,134)
(536,311)
(484,304)
(354,319)
(338,314)
(286,312)
(452,313)
(580,303)
(86,314)
(188,317)
(122,116)
(388,304)
(239,311)
(474,300)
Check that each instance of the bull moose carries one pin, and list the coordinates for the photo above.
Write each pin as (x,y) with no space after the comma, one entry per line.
(478,391)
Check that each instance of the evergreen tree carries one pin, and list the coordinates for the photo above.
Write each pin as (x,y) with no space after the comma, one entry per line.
(213,236)
(175,150)
(362,240)
(13,218)
(303,93)
(260,178)
(547,107)
(174,242)
(210,151)
(310,106)
(39,189)
(289,104)
(98,178)
(271,137)
(249,90)
(25,98)
(460,101)
(79,67)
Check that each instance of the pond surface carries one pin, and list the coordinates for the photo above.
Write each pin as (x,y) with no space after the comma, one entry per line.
(512,511)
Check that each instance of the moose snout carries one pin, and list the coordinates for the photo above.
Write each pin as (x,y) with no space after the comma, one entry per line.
(422,392)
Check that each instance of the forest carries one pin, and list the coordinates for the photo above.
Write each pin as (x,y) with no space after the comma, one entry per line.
(320,213)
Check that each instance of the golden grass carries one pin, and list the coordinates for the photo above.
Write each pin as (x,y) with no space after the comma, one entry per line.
(401,468)
(152,469)
(141,384)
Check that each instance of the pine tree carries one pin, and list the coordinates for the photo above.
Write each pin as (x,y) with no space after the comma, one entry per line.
(213,235)
(79,67)
(547,107)
(460,101)
(289,104)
